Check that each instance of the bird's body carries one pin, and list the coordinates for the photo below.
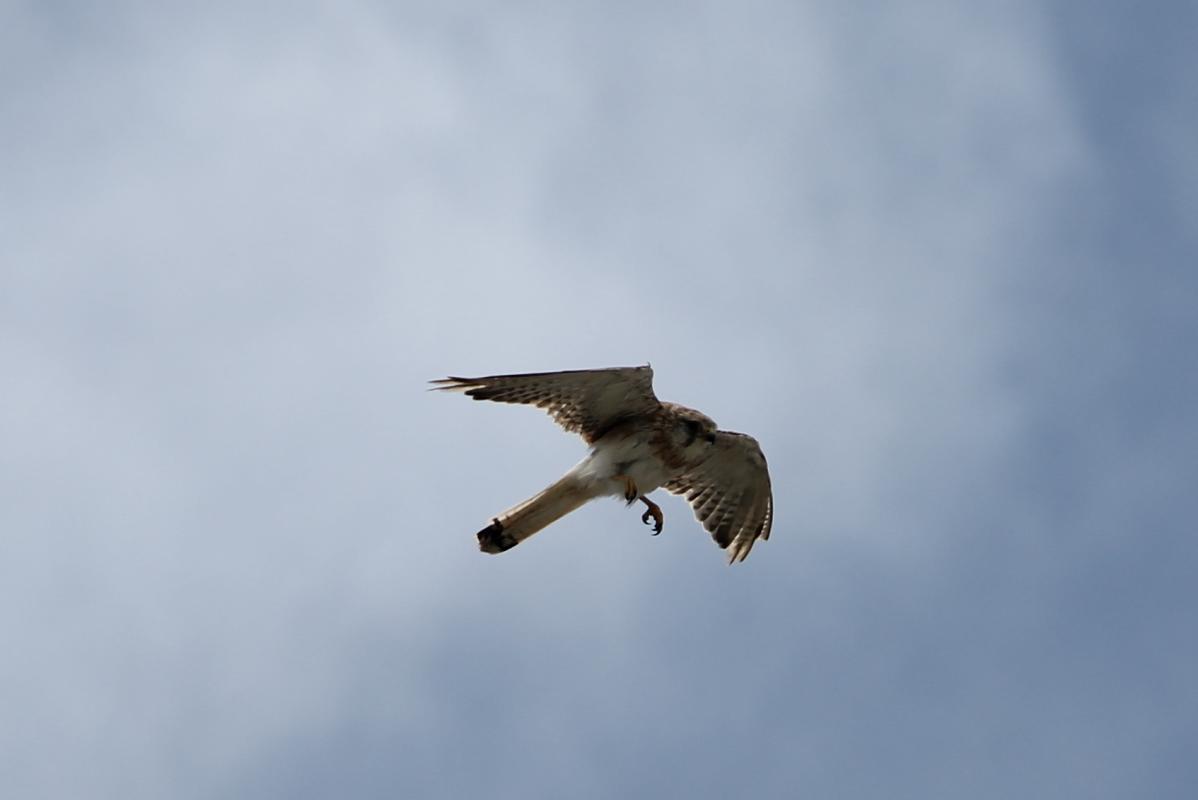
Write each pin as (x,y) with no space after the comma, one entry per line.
(649,450)
(638,445)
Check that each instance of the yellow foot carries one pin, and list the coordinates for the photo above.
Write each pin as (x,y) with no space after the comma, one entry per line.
(630,490)
(654,511)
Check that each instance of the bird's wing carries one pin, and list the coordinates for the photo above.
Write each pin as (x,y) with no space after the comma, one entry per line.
(585,401)
(730,493)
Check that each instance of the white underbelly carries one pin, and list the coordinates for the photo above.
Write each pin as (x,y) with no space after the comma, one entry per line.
(631,456)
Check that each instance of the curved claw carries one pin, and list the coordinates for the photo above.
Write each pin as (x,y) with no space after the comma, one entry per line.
(654,512)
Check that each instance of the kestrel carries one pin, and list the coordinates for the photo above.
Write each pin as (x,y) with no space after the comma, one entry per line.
(638,444)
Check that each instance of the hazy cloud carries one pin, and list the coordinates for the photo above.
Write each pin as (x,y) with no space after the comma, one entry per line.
(918,255)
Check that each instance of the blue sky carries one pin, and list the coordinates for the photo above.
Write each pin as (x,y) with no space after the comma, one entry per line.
(939,260)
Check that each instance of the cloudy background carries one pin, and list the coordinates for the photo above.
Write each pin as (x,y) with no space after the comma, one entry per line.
(939,261)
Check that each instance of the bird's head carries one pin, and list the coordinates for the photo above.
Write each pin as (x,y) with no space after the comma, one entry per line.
(694,426)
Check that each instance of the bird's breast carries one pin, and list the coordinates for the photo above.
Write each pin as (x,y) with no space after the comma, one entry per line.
(634,453)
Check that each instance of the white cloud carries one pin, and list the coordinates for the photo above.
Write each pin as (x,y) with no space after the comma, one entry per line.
(241,531)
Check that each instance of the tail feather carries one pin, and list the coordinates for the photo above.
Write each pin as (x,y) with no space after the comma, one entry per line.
(542,509)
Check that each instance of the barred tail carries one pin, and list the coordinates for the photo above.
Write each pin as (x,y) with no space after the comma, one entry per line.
(544,508)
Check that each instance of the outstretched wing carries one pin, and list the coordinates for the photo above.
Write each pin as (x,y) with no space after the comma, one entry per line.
(584,401)
(730,493)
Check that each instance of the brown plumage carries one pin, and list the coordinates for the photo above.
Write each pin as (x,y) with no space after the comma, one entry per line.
(638,443)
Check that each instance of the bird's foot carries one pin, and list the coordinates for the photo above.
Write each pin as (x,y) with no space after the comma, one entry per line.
(631,493)
(654,511)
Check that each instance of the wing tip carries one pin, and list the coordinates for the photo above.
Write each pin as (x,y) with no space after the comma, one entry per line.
(737,554)
(452,384)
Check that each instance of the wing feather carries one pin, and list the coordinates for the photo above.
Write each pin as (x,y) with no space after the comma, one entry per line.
(730,493)
(587,401)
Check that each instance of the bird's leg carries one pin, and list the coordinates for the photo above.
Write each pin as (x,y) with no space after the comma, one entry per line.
(654,511)
(630,490)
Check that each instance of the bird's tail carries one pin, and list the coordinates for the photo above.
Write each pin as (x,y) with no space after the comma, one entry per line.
(544,508)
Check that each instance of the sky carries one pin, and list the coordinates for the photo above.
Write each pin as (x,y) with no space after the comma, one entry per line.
(938,258)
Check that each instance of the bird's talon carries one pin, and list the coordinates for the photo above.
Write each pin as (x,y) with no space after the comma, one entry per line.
(654,512)
(630,491)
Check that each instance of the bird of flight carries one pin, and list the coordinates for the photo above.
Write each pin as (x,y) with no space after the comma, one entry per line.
(638,444)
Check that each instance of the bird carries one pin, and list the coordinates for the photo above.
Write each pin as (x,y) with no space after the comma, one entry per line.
(637,445)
